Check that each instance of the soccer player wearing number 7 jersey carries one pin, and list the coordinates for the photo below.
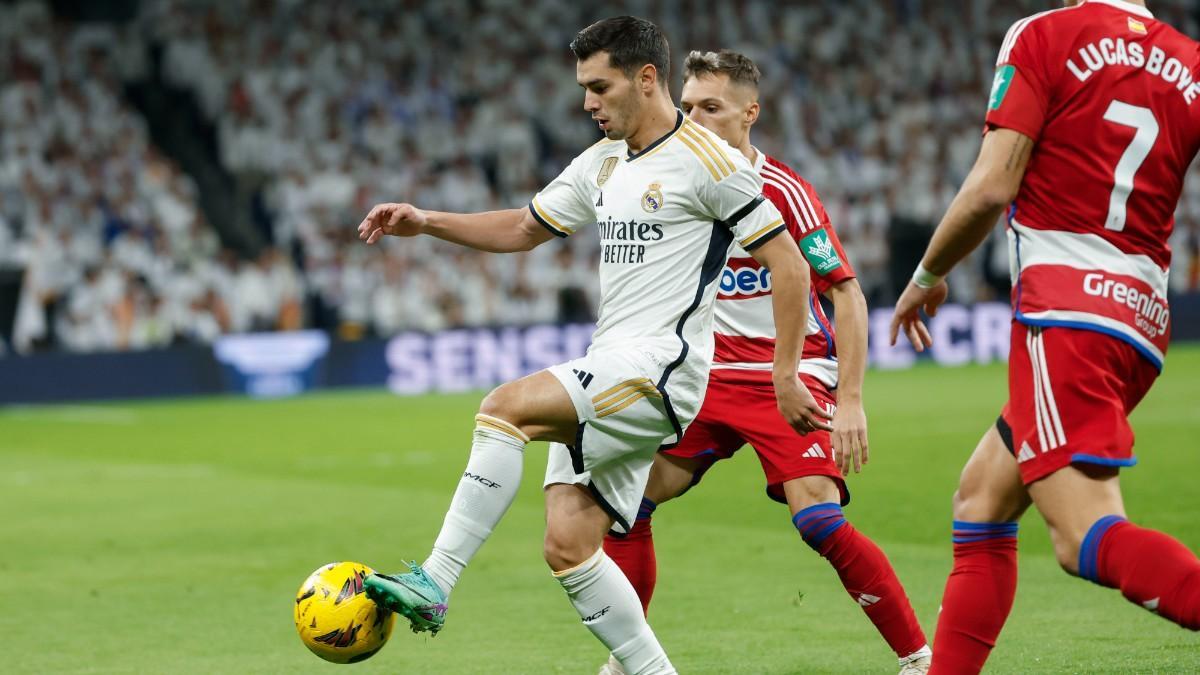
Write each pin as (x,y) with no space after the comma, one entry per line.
(1091,125)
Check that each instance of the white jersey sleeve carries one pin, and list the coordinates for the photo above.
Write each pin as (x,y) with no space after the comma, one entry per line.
(735,198)
(564,205)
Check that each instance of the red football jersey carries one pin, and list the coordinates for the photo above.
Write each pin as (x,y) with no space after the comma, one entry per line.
(744,323)
(1109,96)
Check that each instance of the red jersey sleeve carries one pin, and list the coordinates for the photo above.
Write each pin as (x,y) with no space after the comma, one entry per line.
(1020,94)
(827,261)
(808,223)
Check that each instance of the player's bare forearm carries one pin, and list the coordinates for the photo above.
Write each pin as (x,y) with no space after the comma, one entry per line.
(849,437)
(988,189)
(494,231)
(850,309)
(789,301)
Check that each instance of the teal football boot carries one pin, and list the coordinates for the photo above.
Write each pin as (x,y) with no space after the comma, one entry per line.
(413,595)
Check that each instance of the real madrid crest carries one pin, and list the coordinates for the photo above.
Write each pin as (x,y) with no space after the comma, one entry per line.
(606,170)
(652,198)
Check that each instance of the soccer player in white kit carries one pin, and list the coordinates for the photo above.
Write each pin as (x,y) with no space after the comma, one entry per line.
(669,198)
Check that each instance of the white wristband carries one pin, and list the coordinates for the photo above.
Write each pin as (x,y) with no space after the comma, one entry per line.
(923,278)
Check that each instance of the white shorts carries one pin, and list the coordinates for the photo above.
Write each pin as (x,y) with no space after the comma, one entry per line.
(623,420)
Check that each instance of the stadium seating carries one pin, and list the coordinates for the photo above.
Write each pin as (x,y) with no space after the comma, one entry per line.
(877,104)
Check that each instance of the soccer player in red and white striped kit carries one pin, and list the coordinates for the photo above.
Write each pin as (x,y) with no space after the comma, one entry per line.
(1091,125)
(720,92)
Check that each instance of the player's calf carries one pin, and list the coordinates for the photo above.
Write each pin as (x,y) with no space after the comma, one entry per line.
(1151,569)
(1083,508)
(634,554)
(604,598)
(1071,500)
(863,568)
(983,583)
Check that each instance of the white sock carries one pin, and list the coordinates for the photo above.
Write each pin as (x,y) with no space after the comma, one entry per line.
(484,493)
(610,609)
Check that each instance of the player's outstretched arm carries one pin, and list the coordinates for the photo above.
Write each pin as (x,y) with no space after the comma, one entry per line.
(850,421)
(789,300)
(494,231)
(988,190)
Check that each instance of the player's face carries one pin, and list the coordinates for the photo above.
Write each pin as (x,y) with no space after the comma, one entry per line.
(610,96)
(720,106)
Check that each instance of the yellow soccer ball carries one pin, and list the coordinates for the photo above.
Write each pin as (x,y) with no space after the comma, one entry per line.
(336,620)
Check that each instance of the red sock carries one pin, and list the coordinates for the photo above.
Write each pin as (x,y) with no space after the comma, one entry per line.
(634,554)
(866,574)
(979,595)
(1152,569)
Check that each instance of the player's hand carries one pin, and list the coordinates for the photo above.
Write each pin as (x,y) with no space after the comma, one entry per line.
(908,315)
(398,220)
(799,408)
(849,437)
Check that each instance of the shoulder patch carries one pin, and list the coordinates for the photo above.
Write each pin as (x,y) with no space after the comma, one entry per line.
(1000,84)
(819,251)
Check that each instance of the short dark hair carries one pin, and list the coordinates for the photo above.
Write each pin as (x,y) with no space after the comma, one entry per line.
(738,67)
(630,42)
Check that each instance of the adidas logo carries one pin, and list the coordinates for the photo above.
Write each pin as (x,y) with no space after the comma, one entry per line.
(866,599)
(585,378)
(1026,452)
(814,450)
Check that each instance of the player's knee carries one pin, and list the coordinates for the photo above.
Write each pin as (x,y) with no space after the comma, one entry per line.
(980,503)
(809,491)
(501,403)
(1066,550)
(563,552)
(961,503)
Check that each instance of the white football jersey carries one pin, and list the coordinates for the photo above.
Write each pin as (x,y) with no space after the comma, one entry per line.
(667,218)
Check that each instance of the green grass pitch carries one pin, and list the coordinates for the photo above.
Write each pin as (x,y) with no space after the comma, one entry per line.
(170,537)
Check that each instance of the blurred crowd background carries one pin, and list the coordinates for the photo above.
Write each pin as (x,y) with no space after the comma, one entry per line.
(174,170)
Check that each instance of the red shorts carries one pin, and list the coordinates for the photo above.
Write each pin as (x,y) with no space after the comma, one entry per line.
(736,414)
(1070,392)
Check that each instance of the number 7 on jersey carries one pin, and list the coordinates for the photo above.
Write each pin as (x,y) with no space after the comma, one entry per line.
(1141,119)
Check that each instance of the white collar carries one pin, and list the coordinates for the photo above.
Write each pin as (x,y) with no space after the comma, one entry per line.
(760,158)
(1126,6)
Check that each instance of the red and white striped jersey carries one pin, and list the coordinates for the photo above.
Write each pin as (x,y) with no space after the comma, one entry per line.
(1109,96)
(744,323)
